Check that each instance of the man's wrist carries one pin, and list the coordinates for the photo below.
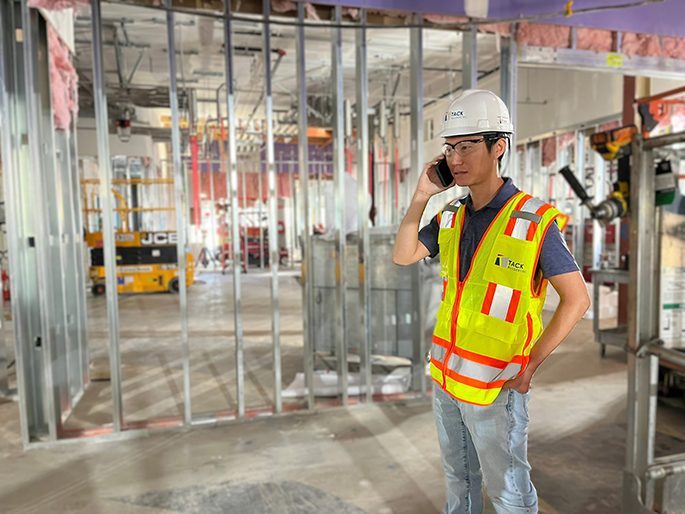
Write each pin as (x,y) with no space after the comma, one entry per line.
(422,195)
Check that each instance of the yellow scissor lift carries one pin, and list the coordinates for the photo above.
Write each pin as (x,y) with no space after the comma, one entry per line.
(147,261)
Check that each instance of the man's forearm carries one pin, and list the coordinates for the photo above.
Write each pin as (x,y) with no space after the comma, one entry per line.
(565,318)
(407,237)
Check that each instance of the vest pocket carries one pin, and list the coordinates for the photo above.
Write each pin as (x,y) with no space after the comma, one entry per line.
(511,263)
(486,335)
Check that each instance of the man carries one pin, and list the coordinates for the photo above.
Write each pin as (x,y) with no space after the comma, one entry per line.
(498,248)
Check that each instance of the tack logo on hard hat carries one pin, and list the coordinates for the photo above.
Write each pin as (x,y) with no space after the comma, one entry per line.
(476,111)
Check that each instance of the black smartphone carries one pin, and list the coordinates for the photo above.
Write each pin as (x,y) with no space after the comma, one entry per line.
(444,173)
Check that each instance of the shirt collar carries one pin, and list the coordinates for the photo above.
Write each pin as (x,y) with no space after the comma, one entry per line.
(504,194)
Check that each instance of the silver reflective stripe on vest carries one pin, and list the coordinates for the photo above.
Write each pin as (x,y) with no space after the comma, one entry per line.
(438,352)
(482,372)
(523,223)
(535,218)
(501,301)
(446,219)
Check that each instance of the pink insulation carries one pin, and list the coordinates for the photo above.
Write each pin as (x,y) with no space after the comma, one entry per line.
(63,82)
(641,44)
(565,139)
(439,19)
(549,151)
(556,36)
(281,6)
(610,125)
(503,29)
(673,47)
(351,12)
(594,39)
(57,5)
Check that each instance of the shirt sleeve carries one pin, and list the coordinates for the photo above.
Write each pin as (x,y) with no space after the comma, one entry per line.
(555,257)
(428,235)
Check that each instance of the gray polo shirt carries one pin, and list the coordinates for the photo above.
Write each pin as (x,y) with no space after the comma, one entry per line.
(555,257)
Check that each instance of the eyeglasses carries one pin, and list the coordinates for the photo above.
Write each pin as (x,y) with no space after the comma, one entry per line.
(462,148)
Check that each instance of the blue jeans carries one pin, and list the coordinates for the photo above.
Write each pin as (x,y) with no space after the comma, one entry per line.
(485,444)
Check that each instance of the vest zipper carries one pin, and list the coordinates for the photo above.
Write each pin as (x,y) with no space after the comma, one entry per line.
(453,332)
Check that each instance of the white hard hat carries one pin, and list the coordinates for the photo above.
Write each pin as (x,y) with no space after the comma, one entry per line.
(476,111)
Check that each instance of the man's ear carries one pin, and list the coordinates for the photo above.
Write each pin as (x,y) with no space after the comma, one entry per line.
(501,147)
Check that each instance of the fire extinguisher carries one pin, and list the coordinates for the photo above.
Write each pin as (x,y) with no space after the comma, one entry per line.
(5,286)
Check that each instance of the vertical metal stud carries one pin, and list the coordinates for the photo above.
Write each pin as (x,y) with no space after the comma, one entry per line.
(364,206)
(305,216)
(82,322)
(599,194)
(232,188)
(508,81)
(294,213)
(180,197)
(642,329)
(469,53)
(417,140)
(10,176)
(273,208)
(109,251)
(6,127)
(339,178)
(579,214)
(49,325)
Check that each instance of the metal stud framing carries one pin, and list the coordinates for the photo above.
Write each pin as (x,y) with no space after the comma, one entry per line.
(67,155)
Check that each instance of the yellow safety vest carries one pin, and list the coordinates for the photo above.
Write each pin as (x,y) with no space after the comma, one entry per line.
(488,323)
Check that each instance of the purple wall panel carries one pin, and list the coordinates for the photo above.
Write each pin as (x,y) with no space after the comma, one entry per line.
(664,18)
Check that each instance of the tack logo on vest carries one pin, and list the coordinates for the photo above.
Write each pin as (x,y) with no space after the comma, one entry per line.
(507,263)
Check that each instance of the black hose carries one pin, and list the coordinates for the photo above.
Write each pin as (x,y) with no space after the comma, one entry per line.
(578,189)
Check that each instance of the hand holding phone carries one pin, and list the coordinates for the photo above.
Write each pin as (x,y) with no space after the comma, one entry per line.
(435,176)
(444,173)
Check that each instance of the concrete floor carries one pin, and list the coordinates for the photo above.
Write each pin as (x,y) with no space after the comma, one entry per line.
(379,458)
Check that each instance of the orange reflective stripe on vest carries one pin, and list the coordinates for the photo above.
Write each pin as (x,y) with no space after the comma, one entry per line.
(488,323)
